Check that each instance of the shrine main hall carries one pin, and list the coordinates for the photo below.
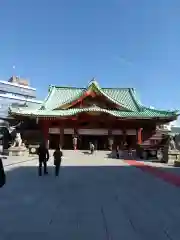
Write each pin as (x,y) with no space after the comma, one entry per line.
(104,116)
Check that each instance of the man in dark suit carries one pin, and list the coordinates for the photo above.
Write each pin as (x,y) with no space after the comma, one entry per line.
(57,160)
(43,158)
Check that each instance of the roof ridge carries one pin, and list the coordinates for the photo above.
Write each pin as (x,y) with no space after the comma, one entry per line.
(68,87)
(118,88)
(134,98)
(83,88)
(51,88)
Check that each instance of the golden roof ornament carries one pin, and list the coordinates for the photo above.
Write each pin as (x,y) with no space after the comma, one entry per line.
(93,81)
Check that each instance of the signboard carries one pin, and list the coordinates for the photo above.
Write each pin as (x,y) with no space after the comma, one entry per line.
(57,131)
(131,132)
(68,131)
(93,132)
(117,132)
(54,131)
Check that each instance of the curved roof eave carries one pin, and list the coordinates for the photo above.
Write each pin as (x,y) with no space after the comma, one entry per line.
(73,112)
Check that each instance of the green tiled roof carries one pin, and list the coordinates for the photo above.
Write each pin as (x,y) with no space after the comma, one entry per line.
(27,106)
(32,105)
(124,97)
(59,96)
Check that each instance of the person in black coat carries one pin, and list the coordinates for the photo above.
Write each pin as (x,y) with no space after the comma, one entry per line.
(2,174)
(57,160)
(43,158)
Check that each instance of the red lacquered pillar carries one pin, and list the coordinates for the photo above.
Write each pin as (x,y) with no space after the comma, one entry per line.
(139,135)
(45,126)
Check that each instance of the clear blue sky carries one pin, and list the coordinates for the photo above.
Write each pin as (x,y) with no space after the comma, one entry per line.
(122,43)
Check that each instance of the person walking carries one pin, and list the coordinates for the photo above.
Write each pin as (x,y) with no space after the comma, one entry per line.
(57,160)
(2,174)
(43,154)
(117,151)
(91,147)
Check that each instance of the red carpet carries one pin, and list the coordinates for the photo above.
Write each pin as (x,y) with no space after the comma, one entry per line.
(167,177)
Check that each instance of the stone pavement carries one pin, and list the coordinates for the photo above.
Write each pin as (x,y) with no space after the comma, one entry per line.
(14,160)
(94,197)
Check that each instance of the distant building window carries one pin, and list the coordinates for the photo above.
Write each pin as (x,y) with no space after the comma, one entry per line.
(17,90)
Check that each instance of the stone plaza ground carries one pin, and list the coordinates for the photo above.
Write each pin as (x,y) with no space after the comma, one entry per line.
(95,197)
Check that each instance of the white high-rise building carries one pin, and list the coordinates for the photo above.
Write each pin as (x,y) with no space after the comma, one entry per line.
(16,91)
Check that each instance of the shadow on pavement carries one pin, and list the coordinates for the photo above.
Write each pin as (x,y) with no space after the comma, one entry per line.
(86,153)
(88,202)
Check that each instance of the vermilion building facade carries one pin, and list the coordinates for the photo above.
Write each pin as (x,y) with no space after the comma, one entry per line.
(105,116)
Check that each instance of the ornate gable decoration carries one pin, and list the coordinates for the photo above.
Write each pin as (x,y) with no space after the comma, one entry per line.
(93,90)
